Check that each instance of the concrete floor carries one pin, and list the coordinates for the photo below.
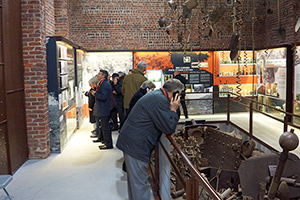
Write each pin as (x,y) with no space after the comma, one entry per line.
(80,172)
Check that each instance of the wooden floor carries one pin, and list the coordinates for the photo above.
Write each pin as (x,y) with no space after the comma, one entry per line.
(264,128)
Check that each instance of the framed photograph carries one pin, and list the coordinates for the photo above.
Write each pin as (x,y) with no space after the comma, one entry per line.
(63,81)
(63,67)
(64,99)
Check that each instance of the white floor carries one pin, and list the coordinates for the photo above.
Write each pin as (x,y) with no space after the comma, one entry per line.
(80,172)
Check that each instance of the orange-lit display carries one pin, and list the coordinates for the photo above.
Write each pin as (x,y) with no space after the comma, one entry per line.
(155,60)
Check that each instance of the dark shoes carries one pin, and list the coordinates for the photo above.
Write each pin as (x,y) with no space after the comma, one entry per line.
(93,136)
(97,140)
(102,147)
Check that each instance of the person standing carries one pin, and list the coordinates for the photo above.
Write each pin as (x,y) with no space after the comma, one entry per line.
(132,83)
(103,104)
(91,102)
(117,93)
(152,115)
(145,88)
(178,76)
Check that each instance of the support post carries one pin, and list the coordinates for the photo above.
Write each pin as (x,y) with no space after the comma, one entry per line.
(228,108)
(156,177)
(251,120)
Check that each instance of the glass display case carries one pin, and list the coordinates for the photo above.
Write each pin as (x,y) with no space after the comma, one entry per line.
(247,67)
(61,91)
(79,87)
(245,89)
(272,82)
(296,106)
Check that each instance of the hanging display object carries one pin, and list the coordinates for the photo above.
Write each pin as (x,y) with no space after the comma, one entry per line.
(281,30)
(178,17)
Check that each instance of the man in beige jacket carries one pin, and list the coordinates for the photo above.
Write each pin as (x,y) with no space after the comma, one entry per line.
(132,83)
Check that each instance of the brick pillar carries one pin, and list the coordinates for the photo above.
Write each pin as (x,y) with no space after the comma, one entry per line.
(35,76)
(62,24)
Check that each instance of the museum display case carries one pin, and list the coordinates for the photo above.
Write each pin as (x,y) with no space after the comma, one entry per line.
(61,67)
(237,77)
(246,67)
(296,103)
(245,89)
(79,86)
(271,87)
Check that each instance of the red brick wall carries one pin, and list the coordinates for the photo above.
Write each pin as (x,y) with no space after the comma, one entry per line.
(49,18)
(134,25)
(130,25)
(289,16)
(62,21)
(34,20)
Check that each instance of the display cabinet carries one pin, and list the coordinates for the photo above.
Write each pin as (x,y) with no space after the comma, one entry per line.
(278,104)
(61,91)
(246,67)
(79,86)
(232,74)
(272,87)
(245,89)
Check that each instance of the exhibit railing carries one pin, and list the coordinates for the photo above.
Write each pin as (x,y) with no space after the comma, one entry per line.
(194,179)
(250,108)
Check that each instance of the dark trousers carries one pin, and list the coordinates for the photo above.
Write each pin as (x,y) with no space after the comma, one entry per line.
(106,131)
(183,107)
(121,113)
(114,118)
(97,130)
(137,179)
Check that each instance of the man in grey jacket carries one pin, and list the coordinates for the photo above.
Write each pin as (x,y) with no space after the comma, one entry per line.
(152,115)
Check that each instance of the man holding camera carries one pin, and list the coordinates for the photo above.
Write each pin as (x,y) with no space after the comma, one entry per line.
(152,115)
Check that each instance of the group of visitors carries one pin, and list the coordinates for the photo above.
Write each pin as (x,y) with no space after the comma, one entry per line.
(144,115)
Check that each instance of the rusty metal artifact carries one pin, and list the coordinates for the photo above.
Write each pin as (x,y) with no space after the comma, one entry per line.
(247,148)
(162,22)
(234,168)
(288,141)
(190,4)
(172,4)
(233,46)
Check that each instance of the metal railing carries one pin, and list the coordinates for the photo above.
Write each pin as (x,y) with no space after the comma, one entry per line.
(191,184)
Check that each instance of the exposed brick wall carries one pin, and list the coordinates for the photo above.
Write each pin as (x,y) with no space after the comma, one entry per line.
(134,25)
(288,14)
(49,18)
(62,21)
(116,25)
(35,76)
